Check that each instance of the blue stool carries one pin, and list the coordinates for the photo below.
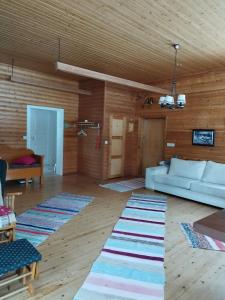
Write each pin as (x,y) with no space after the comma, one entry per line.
(19,260)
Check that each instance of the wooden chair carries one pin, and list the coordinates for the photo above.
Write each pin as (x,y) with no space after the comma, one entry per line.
(7,199)
(7,233)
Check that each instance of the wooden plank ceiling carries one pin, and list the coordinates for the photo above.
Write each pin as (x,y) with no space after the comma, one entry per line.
(125,38)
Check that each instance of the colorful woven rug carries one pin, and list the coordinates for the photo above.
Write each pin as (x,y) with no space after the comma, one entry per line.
(130,266)
(125,185)
(38,223)
(198,240)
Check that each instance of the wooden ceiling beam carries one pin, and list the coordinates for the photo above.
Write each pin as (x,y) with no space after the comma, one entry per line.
(104,77)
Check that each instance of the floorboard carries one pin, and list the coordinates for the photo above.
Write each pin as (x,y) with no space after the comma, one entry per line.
(69,253)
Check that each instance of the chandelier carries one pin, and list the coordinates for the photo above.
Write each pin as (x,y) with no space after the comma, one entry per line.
(168,101)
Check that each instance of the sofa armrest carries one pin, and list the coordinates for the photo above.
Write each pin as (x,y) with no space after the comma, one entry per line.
(151,172)
(160,170)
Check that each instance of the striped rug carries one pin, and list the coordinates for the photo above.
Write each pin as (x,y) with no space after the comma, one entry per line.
(38,223)
(130,265)
(125,185)
(198,240)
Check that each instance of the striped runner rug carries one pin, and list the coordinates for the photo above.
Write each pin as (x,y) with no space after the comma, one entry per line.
(130,265)
(38,223)
(198,240)
(125,185)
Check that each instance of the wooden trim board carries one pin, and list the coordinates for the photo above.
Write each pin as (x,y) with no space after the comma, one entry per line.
(104,77)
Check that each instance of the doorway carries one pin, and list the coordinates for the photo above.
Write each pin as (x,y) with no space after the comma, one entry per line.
(117,146)
(45,129)
(152,142)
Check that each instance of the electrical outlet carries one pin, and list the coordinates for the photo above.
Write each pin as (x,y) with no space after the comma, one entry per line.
(170,145)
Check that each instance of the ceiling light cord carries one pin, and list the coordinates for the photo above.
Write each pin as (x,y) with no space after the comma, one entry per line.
(12,71)
(59,49)
(174,75)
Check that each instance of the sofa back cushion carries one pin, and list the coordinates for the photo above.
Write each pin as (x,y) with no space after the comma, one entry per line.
(214,173)
(187,168)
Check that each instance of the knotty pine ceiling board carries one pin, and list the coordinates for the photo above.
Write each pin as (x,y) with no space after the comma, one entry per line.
(125,38)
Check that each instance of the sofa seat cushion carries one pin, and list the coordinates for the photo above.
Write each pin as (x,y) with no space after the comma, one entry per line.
(181,182)
(187,168)
(214,173)
(216,190)
(19,166)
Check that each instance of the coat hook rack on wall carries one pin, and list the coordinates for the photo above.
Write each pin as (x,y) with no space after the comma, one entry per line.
(145,99)
(149,101)
(88,124)
(83,125)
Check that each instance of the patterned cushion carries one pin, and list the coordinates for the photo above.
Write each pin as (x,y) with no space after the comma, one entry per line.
(16,255)
(4,210)
(25,160)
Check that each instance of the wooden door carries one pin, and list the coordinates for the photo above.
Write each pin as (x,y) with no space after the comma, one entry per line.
(117,146)
(153,136)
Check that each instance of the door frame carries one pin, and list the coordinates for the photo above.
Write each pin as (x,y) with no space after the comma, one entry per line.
(119,116)
(140,141)
(59,132)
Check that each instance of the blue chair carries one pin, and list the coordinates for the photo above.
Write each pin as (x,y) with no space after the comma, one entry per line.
(18,258)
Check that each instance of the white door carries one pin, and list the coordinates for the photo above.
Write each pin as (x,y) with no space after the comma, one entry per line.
(45,137)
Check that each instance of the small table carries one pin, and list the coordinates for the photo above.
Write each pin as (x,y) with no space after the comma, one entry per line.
(213,226)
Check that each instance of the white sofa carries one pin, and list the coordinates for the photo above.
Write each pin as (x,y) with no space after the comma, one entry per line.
(202,181)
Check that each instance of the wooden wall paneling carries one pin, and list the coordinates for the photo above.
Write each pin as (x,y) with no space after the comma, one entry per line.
(51,86)
(205,109)
(39,76)
(91,108)
(14,99)
(121,100)
(108,78)
(129,39)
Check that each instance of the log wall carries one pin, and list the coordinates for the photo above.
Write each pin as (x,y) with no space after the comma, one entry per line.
(91,147)
(205,109)
(14,98)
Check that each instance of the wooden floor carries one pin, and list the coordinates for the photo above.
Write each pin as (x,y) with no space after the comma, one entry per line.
(192,274)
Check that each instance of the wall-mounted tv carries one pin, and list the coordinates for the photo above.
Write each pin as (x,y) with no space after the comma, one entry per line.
(203,137)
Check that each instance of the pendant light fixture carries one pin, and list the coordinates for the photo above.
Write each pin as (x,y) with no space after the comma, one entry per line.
(173,100)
